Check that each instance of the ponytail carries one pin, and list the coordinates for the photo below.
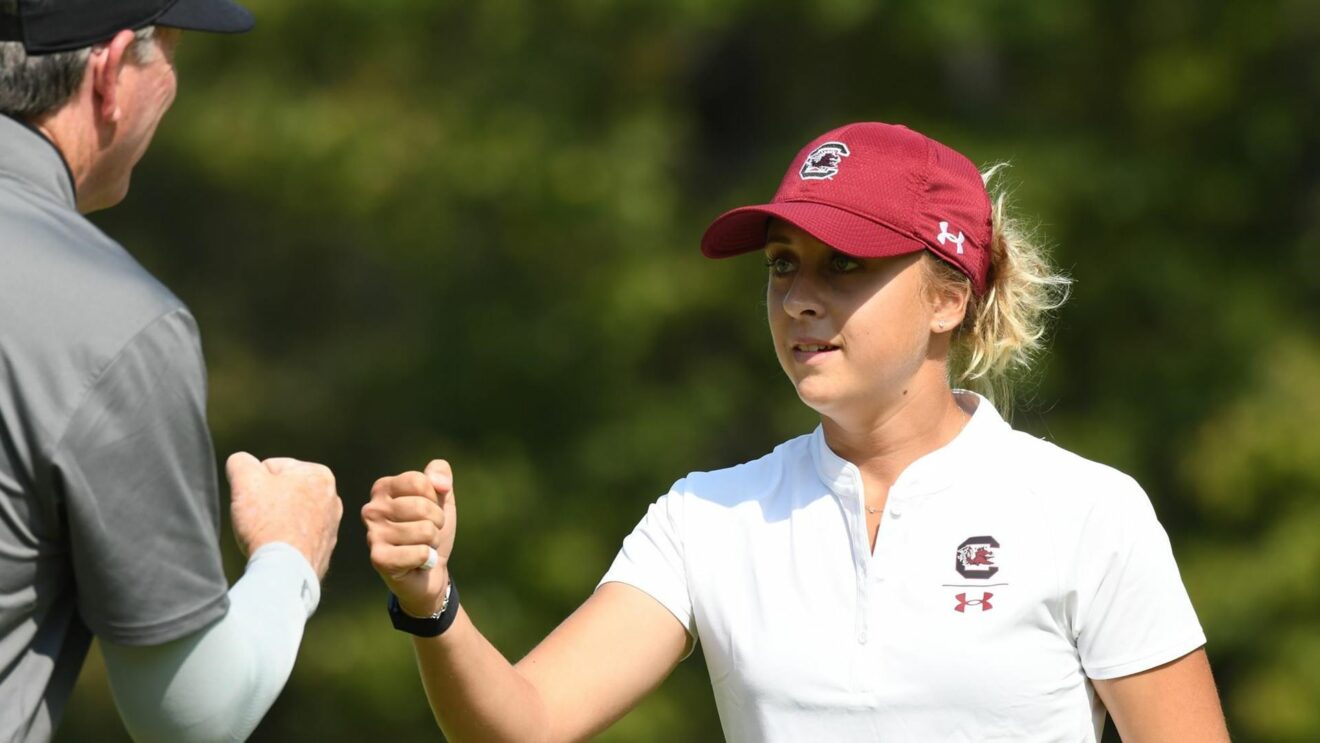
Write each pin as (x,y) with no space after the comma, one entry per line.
(1004,328)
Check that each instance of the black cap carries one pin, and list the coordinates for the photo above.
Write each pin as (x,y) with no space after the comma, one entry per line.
(46,26)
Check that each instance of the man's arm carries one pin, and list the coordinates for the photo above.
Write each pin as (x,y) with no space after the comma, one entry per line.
(1170,703)
(217,683)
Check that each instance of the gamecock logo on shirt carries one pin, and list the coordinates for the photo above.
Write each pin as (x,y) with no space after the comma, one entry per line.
(976,557)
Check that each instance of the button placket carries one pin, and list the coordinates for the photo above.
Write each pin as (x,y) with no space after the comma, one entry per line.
(889,529)
(898,498)
(852,485)
(860,625)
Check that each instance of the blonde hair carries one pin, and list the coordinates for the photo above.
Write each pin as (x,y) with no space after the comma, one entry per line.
(1005,328)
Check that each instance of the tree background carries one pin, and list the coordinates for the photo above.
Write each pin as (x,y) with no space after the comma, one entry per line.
(415,229)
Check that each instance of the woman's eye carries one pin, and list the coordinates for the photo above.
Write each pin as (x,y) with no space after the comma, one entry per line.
(841,263)
(779,266)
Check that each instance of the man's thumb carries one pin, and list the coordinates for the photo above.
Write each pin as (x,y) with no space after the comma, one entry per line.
(242,467)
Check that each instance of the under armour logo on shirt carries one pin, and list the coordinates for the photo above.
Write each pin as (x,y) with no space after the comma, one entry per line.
(946,236)
(983,602)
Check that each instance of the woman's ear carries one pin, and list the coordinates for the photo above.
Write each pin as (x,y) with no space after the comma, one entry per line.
(949,306)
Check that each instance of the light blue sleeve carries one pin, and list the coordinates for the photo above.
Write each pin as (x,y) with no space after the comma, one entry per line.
(218,682)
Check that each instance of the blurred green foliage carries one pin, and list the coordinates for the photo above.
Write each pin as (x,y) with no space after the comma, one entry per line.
(418,229)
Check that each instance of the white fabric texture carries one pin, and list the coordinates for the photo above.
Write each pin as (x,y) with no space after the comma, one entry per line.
(1065,574)
(216,684)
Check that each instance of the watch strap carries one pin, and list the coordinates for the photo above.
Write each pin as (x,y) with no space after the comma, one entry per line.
(431,626)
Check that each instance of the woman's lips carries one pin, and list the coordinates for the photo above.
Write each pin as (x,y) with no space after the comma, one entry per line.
(807,351)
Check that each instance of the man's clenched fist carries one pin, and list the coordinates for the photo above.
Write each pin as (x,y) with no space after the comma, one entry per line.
(284,500)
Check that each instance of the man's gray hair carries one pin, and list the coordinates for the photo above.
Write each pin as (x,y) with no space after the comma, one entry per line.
(33,85)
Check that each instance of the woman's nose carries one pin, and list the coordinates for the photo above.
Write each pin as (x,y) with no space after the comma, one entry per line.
(803,297)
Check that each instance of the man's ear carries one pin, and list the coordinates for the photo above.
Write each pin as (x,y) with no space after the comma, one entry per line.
(107,62)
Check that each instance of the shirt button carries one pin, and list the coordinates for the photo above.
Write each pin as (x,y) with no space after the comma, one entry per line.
(895,511)
(861,638)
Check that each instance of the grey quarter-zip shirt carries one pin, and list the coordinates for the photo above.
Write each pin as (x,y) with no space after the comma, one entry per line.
(109,507)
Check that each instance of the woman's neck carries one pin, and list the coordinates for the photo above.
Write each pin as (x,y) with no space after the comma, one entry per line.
(885,442)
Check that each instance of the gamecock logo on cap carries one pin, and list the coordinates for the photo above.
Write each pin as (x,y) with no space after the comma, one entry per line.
(976,557)
(823,162)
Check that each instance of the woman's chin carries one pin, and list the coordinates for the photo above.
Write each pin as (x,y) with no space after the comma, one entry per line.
(818,397)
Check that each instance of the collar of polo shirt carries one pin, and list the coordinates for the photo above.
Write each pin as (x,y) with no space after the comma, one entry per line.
(931,473)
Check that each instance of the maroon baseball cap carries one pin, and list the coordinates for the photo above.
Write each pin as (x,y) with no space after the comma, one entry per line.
(873,190)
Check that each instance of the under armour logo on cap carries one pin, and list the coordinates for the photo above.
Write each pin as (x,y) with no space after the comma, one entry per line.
(945,235)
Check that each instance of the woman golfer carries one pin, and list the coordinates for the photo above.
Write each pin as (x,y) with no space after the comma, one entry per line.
(912,570)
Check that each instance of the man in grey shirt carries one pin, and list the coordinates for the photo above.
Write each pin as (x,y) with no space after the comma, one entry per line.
(109,506)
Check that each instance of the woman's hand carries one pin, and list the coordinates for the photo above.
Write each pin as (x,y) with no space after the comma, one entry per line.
(408,515)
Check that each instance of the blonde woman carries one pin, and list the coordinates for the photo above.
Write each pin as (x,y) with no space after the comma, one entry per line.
(912,570)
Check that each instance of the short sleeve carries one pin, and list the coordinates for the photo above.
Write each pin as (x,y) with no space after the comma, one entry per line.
(1133,612)
(136,472)
(651,559)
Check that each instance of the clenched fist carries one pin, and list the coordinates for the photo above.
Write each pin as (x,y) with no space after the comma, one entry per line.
(408,514)
(284,500)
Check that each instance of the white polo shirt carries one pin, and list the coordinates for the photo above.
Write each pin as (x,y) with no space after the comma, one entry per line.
(1006,572)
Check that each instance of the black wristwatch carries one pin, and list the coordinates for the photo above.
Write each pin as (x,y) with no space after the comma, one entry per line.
(426,626)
